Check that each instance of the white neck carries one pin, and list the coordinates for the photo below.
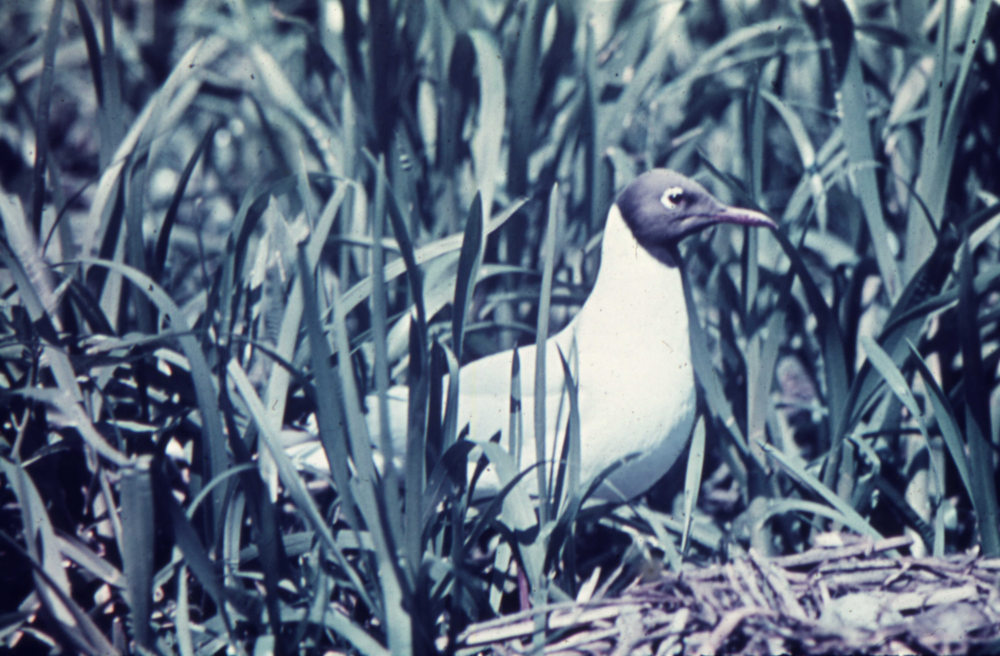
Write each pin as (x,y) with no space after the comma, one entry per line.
(634,290)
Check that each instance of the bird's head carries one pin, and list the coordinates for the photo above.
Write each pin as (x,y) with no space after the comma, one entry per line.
(661,207)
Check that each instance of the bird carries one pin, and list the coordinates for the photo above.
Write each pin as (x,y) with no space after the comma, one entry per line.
(629,345)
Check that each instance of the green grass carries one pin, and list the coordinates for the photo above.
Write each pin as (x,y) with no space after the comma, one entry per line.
(224,225)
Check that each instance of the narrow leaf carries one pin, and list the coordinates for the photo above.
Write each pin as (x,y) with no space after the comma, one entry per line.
(692,479)
(541,338)
(977,418)
(137,524)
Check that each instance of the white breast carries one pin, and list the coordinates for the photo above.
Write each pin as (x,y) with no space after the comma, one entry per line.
(631,355)
(637,391)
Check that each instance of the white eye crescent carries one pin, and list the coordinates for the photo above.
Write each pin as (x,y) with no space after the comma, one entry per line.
(672,197)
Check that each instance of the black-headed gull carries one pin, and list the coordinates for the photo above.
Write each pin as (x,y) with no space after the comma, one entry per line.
(629,348)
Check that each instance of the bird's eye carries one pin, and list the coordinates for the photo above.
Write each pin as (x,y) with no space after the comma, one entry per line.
(672,197)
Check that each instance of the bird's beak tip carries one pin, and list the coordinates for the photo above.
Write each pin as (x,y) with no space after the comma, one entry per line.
(741,216)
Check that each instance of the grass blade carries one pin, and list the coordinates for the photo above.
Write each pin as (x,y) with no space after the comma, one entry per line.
(396,593)
(293,483)
(93,48)
(163,240)
(214,439)
(941,129)
(83,556)
(42,117)
(892,376)
(390,479)
(487,138)
(897,383)
(469,260)
(185,642)
(359,292)
(137,524)
(834,358)
(335,620)
(195,556)
(947,424)
(524,87)
(40,537)
(516,426)
(541,337)
(416,447)
(449,429)
(572,452)
(977,418)
(276,393)
(701,360)
(112,113)
(406,249)
(857,140)
(16,52)
(780,506)
(692,479)
(88,639)
(329,413)
(850,517)
(807,153)
(762,358)
(33,279)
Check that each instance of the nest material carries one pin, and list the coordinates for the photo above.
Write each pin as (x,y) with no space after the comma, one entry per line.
(849,599)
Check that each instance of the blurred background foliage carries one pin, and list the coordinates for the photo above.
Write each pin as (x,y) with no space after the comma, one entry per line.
(225,223)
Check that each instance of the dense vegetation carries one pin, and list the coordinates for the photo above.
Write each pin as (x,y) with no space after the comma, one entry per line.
(224,223)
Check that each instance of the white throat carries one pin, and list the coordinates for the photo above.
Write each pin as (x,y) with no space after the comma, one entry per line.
(636,384)
(635,294)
